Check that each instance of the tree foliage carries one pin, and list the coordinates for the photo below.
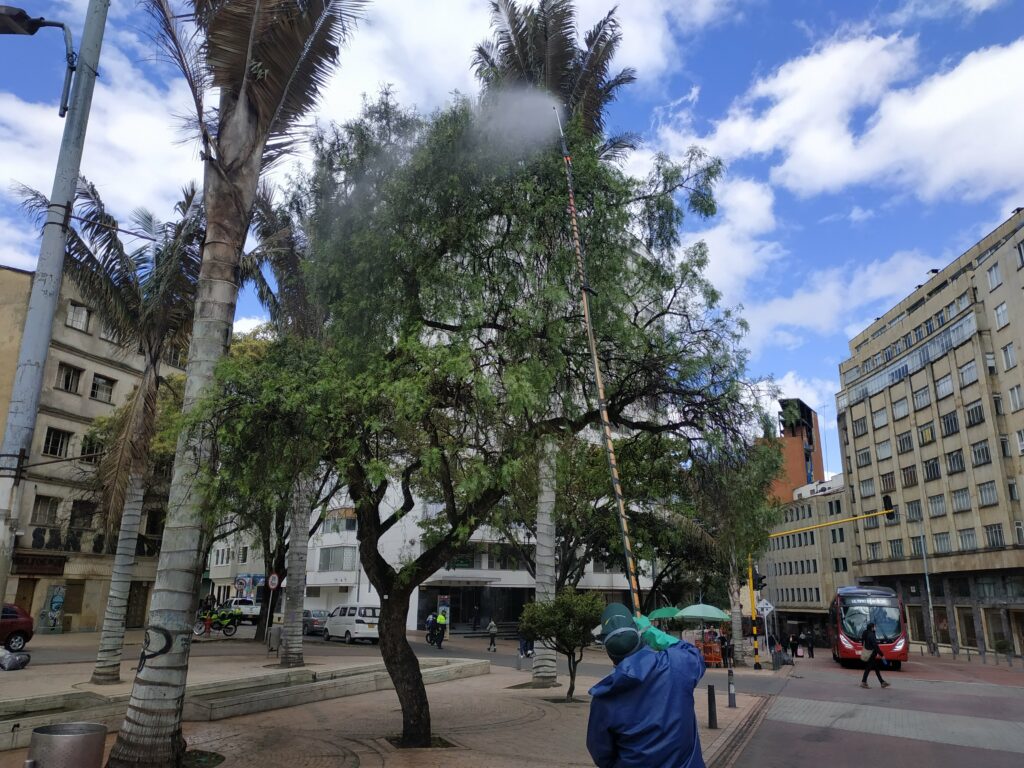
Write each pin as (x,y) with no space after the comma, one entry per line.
(566,624)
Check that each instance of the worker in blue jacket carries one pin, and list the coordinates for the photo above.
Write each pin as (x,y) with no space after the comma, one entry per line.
(642,714)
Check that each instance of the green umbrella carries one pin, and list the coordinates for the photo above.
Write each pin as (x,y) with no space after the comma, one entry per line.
(669,612)
(701,612)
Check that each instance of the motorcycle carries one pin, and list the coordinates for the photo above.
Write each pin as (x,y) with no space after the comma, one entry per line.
(218,621)
(435,636)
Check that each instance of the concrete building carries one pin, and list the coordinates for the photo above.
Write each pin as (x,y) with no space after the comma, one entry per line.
(60,572)
(804,568)
(931,424)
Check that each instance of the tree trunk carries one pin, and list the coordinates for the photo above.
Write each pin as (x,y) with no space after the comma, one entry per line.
(573,661)
(268,606)
(108,658)
(150,736)
(295,597)
(545,660)
(736,608)
(404,669)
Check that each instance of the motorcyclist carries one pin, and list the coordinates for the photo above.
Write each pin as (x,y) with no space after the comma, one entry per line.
(431,627)
(642,713)
(442,627)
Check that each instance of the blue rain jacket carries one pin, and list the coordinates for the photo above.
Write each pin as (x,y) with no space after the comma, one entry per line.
(642,714)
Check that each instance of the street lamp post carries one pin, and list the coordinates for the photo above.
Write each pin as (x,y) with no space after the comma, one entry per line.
(42,305)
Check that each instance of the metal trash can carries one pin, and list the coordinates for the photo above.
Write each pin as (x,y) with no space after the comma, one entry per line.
(68,745)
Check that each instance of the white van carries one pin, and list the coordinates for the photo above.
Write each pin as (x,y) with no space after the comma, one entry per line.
(353,622)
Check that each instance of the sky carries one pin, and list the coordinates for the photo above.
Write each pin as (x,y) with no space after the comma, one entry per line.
(864,142)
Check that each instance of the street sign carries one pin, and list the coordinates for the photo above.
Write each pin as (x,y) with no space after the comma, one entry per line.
(764,607)
(241,583)
(273,581)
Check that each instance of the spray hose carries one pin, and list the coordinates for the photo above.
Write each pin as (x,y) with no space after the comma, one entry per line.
(606,426)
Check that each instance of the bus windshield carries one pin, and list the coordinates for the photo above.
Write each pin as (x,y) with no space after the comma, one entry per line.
(859,611)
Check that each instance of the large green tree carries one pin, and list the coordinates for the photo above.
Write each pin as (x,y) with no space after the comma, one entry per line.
(266,61)
(143,294)
(452,353)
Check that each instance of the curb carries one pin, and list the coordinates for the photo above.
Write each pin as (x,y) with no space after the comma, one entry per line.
(728,747)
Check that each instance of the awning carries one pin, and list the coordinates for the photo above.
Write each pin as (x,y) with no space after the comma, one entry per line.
(459,581)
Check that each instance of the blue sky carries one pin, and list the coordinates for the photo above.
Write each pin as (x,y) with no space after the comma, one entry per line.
(865,142)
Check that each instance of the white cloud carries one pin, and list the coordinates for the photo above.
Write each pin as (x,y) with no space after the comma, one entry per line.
(818,393)
(858,214)
(844,115)
(939,9)
(248,324)
(19,245)
(737,248)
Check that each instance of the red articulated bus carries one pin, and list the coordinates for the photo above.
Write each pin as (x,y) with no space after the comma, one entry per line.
(851,611)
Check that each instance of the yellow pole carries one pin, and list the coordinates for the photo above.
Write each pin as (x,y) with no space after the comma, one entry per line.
(753,609)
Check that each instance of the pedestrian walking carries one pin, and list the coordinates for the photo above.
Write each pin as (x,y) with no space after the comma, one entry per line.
(874,656)
(642,714)
(492,632)
(793,644)
(810,643)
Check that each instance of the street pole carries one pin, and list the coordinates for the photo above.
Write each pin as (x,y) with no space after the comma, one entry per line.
(42,304)
(933,641)
(753,609)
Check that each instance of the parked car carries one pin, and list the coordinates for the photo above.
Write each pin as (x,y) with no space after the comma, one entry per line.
(250,608)
(313,621)
(353,622)
(16,628)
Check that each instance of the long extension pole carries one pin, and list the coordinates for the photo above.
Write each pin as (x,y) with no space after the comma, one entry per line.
(606,425)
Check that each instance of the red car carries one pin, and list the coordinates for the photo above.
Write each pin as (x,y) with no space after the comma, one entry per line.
(15,628)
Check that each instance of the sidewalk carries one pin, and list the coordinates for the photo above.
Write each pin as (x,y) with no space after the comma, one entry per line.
(489,723)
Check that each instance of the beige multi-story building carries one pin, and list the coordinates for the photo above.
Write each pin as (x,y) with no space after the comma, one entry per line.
(60,568)
(805,567)
(931,424)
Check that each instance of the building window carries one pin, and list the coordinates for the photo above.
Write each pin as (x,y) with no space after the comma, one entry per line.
(338,559)
(82,514)
(870,522)
(896,548)
(839,564)
(864,457)
(1002,316)
(914,511)
(909,476)
(990,362)
(879,418)
(937,505)
(860,426)
(905,442)
(961,500)
(1020,441)
(997,405)
(995,277)
(980,454)
(922,398)
(91,450)
(975,413)
(1016,398)
(44,510)
(931,469)
(967,538)
(1011,488)
(56,442)
(888,481)
(68,378)
(994,535)
(944,387)
(950,424)
(941,541)
(874,551)
(955,462)
(987,495)
(926,434)
(1020,254)
(968,373)
(78,317)
(867,487)
(1009,357)
(900,409)
(883,450)
(916,545)
(102,388)
(1004,446)
(243,555)
(838,535)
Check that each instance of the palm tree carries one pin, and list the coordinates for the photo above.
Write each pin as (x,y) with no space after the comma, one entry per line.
(267,60)
(144,297)
(537,47)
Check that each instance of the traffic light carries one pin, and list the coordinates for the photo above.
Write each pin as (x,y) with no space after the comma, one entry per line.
(760,582)
(890,511)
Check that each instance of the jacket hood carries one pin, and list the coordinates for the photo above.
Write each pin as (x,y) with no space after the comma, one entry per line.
(629,673)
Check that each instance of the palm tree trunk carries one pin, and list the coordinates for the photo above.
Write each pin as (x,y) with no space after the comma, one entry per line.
(545,660)
(150,736)
(295,594)
(736,609)
(108,658)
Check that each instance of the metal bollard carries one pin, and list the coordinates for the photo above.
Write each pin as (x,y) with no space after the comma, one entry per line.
(77,744)
(712,710)
(732,690)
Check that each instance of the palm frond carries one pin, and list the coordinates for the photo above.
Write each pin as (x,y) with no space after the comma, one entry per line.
(555,43)
(512,39)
